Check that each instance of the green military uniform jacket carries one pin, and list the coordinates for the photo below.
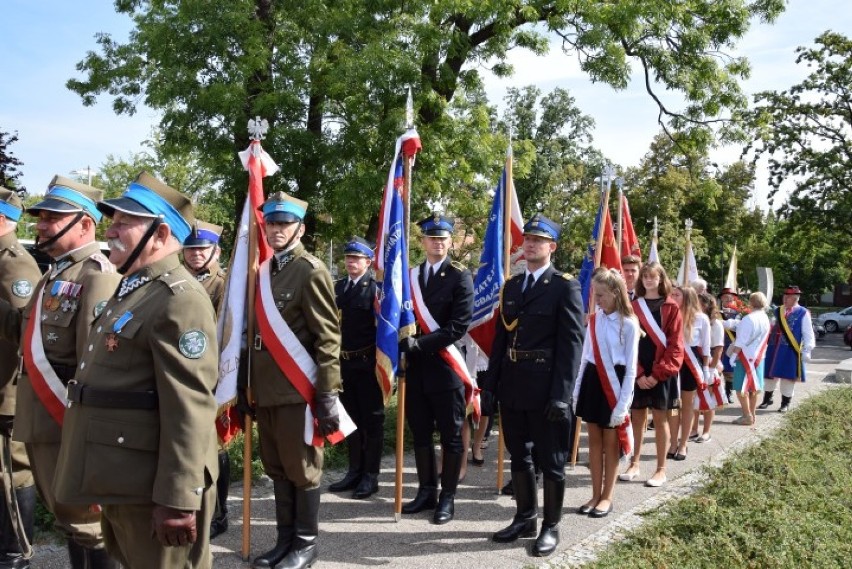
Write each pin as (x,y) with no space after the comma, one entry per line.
(156,334)
(304,295)
(66,319)
(212,278)
(19,274)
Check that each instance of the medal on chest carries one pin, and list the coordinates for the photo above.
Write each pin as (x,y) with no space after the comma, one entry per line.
(112,337)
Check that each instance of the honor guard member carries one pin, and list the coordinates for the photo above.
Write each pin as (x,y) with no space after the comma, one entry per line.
(201,257)
(296,296)
(435,393)
(531,372)
(139,437)
(362,396)
(63,307)
(791,342)
(19,274)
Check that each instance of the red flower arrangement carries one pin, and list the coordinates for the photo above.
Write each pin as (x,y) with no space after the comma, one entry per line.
(739,306)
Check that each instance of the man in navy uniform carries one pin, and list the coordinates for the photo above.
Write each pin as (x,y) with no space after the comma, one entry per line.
(533,365)
(362,396)
(436,394)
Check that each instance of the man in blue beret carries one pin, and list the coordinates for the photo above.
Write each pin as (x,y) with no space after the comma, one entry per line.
(531,372)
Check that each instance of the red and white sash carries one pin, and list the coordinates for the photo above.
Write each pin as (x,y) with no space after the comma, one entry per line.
(450,354)
(708,397)
(646,320)
(750,366)
(46,384)
(293,359)
(611,387)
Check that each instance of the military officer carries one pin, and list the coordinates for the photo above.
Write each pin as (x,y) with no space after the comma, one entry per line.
(531,372)
(436,393)
(201,257)
(294,363)
(362,396)
(138,436)
(791,342)
(18,277)
(64,305)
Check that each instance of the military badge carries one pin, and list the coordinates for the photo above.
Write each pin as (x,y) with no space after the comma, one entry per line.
(111,342)
(99,307)
(22,288)
(52,337)
(192,344)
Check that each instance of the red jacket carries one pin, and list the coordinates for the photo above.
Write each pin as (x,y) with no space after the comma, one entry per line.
(667,361)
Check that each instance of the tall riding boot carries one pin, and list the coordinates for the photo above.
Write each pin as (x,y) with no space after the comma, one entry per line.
(548,539)
(284,512)
(785,403)
(767,400)
(427,476)
(450,470)
(13,557)
(524,523)
(219,523)
(355,446)
(369,483)
(304,552)
(77,555)
(83,558)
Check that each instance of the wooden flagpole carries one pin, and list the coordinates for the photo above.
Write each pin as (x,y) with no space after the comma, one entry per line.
(620,217)
(685,280)
(507,266)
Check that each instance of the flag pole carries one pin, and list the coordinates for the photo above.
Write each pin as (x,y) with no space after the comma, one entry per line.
(685,280)
(620,217)
(509,188)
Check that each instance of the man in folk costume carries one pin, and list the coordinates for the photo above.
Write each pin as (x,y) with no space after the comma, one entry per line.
(201,258)
(791,342)
(362,396)
(531,372)
(437,379)
(295,379)
(138,436)
(63,307)
(19,274)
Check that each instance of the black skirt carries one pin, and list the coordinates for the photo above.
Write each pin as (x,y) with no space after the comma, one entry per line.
(688,382)
(592,405)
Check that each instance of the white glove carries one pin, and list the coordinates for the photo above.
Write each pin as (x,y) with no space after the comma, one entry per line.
(708,376)
(733,360)
(617,419)
(574,406)
(806,356)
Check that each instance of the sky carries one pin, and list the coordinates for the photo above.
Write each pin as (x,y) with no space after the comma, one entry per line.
(43,41)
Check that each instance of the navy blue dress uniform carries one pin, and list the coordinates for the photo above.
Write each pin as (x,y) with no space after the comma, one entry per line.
(435,394)
(531,372)
(361,396)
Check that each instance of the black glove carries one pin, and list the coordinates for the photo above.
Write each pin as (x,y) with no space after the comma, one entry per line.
(173,527)
(325,408)
(6,425)
(486,402)
(244,407)
(408,345)
(556,410)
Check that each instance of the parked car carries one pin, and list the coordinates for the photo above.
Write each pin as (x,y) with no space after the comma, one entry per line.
(819,329)
(44,260)
(836,321)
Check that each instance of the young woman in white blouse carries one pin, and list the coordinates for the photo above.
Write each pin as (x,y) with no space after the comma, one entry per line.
(717,346)
(603,390)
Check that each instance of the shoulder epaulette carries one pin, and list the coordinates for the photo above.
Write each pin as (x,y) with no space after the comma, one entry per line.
(177,283)
(103,263)
(566,276)
(315,263)
(458,265)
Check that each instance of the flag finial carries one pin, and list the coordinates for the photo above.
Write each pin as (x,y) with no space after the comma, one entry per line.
(409,111)
(688,224)
(258,128)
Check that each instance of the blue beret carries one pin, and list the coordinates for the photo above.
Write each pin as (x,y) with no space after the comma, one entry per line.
(543,227)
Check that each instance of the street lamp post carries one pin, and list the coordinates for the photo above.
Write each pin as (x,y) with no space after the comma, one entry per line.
(88,171)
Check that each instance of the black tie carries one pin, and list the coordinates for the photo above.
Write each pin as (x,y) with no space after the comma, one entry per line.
(431,275)
(348,286)
(529,285)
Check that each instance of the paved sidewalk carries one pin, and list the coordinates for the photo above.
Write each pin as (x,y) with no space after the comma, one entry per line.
(357,533)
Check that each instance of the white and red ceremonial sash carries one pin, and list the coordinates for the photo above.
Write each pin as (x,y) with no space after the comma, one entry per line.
(450,354)
(293,359)
(646,319)
(707,396)
(750,366)
(46,384)
(611,387)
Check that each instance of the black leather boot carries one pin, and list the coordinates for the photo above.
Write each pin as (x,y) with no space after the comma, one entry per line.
(367,486)
(354,444)
(369,483)
(767,400)
(77,555)
(427,476)
(12,556)
(785,404)
(524,523)
(83,558)
(548,538)
(304,551)
(450,470)
(284,519)
(219,523)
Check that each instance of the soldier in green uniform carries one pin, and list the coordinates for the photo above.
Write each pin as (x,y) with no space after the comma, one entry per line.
(64,305)
(139,436)
(18,276)
(296,295)
(201,257)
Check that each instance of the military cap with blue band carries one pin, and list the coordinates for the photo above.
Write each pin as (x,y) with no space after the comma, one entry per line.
(280,207)
(543,227)
(436,226)
(10,204)
(359,247)
(148,197)
(203,234)
(67,196)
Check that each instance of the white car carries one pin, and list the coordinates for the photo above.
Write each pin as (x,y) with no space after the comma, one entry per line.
(836,321)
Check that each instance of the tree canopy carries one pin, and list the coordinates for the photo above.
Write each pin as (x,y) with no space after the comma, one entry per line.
(10,165)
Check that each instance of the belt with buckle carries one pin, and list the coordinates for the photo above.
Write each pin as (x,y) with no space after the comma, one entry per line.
(522,355)
(85,395)
(361,353)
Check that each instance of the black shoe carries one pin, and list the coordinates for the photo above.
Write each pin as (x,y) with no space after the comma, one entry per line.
(546,542)
(524,523)
(426,499)
(300,558)
(446,509)
(785,404)
(548,538)
(11,556)
(584,510)
(218,526)
(477,461)
(596,513)
(518,528)
(767,400)
(347,483)
(508,489)
(368,486)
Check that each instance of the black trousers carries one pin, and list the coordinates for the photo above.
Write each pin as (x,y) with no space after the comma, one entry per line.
(362,399)
(524,430)
(444,411)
